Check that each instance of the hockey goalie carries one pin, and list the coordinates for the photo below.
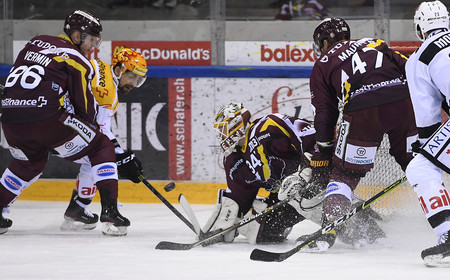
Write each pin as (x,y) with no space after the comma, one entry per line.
(273,152)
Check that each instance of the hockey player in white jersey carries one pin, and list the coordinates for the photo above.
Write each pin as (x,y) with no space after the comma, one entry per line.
(427,74)
(128,70)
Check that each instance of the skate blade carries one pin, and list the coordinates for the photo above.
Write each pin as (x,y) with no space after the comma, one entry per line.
(437,261)
(3,230)
(111,230)
(72,225)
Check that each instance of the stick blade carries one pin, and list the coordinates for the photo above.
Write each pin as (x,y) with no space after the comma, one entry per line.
(167,245)
(265,256)
(190,213)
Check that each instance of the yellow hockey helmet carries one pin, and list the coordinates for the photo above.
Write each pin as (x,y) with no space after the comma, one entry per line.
(132,61)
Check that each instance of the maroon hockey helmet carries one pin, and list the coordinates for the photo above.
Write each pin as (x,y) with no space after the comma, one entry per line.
(84,22)
(330,29)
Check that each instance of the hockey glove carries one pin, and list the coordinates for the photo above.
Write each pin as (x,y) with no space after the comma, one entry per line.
(321,171)
(416,147)
(272,185)
(129,166)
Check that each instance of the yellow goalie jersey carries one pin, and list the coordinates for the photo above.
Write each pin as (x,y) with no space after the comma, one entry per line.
(104,87)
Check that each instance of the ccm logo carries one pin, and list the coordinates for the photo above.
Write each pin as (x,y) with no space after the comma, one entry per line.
(435,201)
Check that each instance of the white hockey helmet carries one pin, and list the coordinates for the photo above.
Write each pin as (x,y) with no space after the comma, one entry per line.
(230,125)
(430,16)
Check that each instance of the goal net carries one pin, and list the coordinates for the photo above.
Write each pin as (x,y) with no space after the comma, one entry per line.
(386,171)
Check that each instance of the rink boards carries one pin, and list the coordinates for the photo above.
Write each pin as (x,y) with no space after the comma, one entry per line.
(196,193)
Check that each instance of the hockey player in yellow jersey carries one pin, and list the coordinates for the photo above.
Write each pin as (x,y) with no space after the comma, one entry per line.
(127,71)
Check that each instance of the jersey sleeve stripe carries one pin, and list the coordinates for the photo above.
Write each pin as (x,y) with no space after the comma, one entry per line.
(82,70)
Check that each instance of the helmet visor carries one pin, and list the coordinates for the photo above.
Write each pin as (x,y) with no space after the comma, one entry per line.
(317,50)
(92,40)
(135,79)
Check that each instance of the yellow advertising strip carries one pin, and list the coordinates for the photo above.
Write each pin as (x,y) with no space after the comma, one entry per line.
(195,193)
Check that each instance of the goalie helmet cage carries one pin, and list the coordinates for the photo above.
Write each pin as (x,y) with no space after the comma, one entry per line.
(402,200)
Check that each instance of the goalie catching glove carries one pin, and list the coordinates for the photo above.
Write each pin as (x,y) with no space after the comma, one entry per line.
(129,167)
(295,184)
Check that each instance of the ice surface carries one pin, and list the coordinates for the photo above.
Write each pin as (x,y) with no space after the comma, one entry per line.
(35,248)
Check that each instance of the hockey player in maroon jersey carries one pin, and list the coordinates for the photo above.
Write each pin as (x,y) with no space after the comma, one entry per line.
(262,154)
(368,78)
(127,71)
(258,154)
(427,72)
(48,106)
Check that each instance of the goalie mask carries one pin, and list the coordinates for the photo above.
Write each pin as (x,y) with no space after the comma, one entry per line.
(230,126)
(430,16)
(128,59)
(331,29)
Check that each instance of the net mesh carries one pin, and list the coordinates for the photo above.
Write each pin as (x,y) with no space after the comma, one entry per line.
(385,172)
(401,200)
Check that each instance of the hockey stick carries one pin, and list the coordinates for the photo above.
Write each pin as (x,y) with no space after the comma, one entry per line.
(261,255)
(187,208)
(167,203)
(207,238)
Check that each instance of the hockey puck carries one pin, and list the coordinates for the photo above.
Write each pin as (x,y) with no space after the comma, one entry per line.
(169,187)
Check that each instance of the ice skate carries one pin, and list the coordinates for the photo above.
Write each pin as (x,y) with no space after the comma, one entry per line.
(4,222)
(362,231)
(438,255)
(113,222)
(77,217)
(321,244)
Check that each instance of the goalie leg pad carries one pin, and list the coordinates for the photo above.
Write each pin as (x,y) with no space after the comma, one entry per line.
(225,215)
(251,230)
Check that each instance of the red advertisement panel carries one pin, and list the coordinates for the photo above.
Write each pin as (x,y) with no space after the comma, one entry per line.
(170,53)
(179,128)
(405,47)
